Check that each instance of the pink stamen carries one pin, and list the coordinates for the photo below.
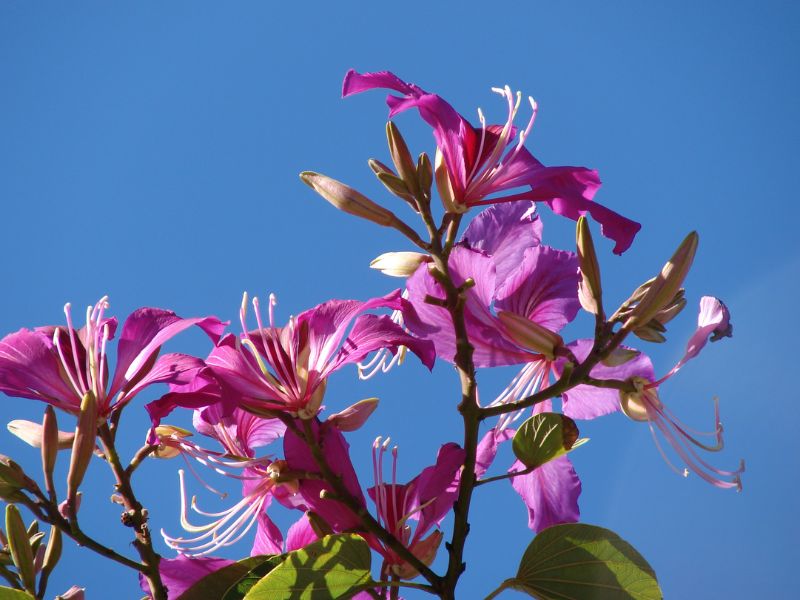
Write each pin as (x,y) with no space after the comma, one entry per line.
(73,343)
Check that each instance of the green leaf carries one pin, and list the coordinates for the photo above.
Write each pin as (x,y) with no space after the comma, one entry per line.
(216,584)
(7,593)
(336,566)
(584,561)
(543,437)
(239,590)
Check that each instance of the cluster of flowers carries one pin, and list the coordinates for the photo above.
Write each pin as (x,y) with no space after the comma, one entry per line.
(266,385)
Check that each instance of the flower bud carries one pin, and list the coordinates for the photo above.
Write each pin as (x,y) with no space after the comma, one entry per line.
(354,416)
(401,158)
(445,187)
(530,335)
(49,445)
(20,547)
(347,199)
(73,593)
(425,174)
(31,433)
(82,447)
(12,478)
(399,264)
(590,292)
(666,285)
(52,553)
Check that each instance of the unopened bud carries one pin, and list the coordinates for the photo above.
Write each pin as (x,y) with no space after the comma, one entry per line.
(620,356)
(392,182)
(590,292)
(425,174)
(82,447)
(399,264)
(31,433)
(354,416)
(347,199)
(12,478)
(445,187)
(531,335)
(49,445)
(20,547)
(401,158)
(666,285)
(52,552)
(652,332)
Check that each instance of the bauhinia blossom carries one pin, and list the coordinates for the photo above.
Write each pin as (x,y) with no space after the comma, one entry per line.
(644,404)
(485,165)
(60,365)
(238,434)
(286,368)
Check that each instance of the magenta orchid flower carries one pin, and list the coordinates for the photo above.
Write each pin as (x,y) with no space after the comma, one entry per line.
(425,499)
(238,434)
(60,365)
(644,403)
(286,368)
(475,165)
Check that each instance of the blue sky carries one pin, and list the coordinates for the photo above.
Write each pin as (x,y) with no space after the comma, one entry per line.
(150,151)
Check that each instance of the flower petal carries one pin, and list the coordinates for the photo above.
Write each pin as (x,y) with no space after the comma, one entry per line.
(30,368)
(544,289)
(300,534)
(181,573)
(504,231)
(269,539)
(550,492)
(143,334)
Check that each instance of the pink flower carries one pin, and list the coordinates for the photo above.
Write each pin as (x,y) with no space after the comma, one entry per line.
(474,165)
(59,365)
(238,434)
(286,368)
(645,405)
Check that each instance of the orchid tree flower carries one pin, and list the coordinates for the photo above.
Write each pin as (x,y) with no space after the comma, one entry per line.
(60,365)
(524,294)
(486,165)
(286,368)
(426,499)
(644,404)
(239,434)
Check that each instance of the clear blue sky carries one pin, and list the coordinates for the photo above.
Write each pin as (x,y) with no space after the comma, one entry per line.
(150,151)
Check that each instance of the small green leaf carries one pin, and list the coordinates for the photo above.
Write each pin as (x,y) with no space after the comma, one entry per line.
(336,566)
(543,437)
(584,561)
(216,584)
(7,593)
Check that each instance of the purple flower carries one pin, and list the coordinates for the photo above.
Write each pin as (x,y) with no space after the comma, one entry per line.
(181,573)
(60,365)
(473,165)
(644,403)
(425,499)
(286,368)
